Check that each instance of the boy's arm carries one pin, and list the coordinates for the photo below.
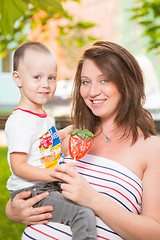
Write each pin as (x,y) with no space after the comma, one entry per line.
(22,169)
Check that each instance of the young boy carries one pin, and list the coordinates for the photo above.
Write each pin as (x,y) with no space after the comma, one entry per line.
(34,146)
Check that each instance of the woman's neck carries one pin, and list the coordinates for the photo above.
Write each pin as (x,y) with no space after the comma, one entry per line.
(107,126)
(109,131)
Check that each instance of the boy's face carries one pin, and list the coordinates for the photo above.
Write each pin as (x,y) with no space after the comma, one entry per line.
(36,77)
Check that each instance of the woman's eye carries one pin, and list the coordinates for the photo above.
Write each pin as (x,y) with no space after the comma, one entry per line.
(37,77)
(85,82)
(104,81)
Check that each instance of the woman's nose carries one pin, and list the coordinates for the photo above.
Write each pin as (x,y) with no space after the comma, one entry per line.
(94,90)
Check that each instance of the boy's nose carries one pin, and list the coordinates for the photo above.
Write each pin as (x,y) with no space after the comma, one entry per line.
(45,83)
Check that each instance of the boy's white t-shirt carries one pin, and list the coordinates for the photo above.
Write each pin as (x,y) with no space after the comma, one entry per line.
(35,135)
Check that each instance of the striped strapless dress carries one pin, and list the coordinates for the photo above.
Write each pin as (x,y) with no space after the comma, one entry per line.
(109,178)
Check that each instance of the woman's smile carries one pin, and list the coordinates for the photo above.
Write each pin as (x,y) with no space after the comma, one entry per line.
(98,102)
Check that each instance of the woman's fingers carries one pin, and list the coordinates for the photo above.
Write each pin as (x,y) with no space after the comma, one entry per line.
(32,201)
(64,172)
(45,210)
(23,195)
(40,215)
(25,211)
(74,186)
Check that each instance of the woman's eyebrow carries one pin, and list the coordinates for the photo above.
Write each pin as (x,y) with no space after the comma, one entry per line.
(84,77)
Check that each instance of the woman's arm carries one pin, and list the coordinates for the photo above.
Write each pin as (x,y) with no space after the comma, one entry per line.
(22,211)
(64,137)
(128,225)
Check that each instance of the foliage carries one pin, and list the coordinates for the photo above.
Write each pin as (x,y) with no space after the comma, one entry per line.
(17,19)
(20,19)
(76,37)
(148,15)
(72,38)
(21,8)
(8,230)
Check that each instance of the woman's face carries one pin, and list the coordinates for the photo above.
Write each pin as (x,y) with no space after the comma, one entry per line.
(99,93)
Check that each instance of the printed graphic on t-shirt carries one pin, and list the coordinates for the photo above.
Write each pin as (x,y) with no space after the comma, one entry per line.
(50,149)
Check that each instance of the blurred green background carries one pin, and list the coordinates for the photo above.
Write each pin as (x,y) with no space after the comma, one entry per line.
(8,230)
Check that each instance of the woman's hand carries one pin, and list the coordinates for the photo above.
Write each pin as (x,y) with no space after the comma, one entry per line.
(22,211)
(75,187)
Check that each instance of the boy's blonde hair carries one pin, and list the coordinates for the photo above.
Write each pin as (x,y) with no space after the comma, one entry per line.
(20,51)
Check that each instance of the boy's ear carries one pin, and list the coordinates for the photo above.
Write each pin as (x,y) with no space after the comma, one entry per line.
(17,79)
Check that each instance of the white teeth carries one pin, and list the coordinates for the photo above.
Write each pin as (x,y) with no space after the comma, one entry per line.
(98,101)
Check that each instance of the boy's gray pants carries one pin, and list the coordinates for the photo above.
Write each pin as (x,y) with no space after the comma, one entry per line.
(80,219)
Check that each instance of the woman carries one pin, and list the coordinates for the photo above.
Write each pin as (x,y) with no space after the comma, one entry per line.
(123,165)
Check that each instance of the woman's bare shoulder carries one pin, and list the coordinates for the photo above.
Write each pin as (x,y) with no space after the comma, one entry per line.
(153,141)
(150,142)
(152,149)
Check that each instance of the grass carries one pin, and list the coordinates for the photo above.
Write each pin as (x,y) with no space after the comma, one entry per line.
(8,230)
(6,111)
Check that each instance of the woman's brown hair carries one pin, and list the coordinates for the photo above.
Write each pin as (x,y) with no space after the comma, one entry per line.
(120,67)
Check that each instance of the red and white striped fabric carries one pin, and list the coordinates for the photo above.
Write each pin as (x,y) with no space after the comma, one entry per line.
(111,179)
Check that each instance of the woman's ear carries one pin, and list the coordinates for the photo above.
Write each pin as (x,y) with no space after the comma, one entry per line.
(17,79)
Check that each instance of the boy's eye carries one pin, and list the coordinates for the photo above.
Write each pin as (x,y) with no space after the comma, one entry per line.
(52,78)
(37,77)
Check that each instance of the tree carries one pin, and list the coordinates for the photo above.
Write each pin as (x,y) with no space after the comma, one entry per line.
(147,12)
(17,19)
